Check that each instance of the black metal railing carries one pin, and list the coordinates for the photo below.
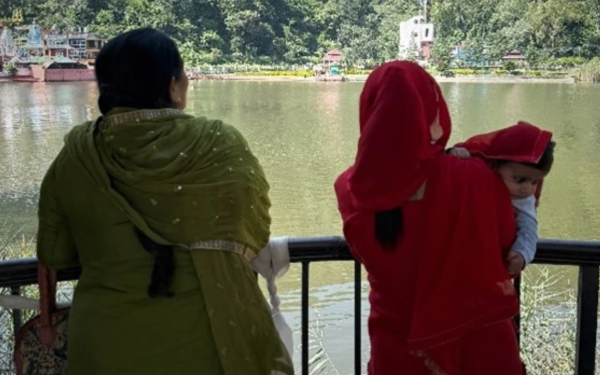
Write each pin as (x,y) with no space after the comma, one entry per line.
(585,254)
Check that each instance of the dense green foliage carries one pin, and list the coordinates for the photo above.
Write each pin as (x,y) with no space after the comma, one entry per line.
(590,72)
(300,31)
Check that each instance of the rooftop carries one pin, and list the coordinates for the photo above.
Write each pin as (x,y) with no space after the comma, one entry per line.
(333,55)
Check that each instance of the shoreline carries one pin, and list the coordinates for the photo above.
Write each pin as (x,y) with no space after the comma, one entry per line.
(501,79)
(363,78)
(358,78)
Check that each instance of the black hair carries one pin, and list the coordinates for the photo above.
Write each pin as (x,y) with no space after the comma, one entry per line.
(164,266)
(135,70)
(389,226)
(547,159)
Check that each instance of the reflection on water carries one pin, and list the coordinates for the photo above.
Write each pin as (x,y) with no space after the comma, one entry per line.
(305,134)
(33,121)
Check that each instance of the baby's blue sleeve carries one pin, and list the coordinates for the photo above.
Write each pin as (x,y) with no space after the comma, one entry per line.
(527,228)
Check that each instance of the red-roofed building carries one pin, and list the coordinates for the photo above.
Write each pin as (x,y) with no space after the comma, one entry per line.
(515,56)
(333,57)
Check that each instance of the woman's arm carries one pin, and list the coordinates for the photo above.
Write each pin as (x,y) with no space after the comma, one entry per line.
(55,246)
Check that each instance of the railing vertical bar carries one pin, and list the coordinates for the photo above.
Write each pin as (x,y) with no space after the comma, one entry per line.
(17,315)
(305,290)
(587,320)
(357,319)
(518,317)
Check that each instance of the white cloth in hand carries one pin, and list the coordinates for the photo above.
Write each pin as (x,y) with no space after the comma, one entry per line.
(272,263)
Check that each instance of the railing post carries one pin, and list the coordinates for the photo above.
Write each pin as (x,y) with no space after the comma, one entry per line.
(17,315)
(357,318)
(305,286)
(587,320)
(518,317)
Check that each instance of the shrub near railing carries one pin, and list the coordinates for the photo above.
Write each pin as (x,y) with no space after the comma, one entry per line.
(590,72)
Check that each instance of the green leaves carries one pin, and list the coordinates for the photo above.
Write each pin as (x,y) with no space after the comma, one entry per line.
(541,29)
(301,31)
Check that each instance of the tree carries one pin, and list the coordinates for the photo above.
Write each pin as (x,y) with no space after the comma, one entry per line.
(442,54)
(560,27)
(391,13)
(510,28)
(299,31)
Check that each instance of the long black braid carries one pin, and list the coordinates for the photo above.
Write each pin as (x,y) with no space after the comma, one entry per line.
(389,226)
(164,266)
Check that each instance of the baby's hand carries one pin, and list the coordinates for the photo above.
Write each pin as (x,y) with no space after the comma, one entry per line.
(515,263)
(460,152)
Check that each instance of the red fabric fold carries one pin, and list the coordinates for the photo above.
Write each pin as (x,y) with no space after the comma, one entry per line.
(446,278)
(520,143)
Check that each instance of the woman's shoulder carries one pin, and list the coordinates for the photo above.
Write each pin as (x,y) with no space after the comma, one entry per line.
(84,127)
(79,132)
(202,121)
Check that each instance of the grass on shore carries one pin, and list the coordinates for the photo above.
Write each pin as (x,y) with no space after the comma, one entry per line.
(590,72)
(523,74)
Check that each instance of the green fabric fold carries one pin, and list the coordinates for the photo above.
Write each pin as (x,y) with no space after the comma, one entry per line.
(179,179)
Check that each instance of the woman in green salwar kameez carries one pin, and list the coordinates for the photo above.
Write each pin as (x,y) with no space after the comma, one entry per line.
(163,212)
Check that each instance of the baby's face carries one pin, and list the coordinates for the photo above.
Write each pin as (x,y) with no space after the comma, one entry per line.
(521,180)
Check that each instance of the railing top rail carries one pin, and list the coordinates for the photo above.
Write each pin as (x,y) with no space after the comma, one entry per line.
(19,272)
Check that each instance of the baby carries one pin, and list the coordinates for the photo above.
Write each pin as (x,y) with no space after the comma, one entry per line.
(522,172)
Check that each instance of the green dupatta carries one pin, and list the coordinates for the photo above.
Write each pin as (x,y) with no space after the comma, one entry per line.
(192,182)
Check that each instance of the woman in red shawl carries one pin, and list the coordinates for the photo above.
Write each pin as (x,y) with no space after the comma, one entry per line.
(432,230)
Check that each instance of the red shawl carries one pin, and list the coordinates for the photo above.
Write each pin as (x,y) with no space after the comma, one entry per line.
(395,132)
(521,143)
(468,226)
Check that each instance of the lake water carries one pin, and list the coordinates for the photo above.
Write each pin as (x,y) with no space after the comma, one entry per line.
(305,134)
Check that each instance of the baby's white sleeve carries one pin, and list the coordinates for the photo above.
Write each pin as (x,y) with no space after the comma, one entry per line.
(527,228)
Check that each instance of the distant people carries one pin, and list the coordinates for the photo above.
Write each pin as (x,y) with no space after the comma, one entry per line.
(163,212)
(432,231)
(514,153)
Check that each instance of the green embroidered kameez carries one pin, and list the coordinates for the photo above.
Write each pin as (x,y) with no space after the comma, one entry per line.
(185,181)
